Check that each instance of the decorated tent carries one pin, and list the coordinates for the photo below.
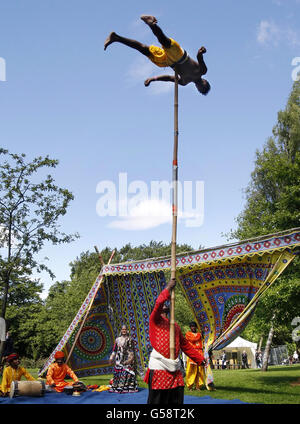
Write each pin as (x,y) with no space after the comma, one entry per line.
(222,285)
(239,345)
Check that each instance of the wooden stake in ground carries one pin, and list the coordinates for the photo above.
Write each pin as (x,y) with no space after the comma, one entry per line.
(174,219)
(90,305)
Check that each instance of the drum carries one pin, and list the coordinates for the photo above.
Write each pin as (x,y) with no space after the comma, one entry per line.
(27,388)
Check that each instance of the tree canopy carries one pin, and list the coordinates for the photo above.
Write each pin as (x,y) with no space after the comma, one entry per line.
(273,205)
(30,207)
(273,194)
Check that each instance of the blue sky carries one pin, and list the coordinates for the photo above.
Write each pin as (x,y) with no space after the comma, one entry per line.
(67,98)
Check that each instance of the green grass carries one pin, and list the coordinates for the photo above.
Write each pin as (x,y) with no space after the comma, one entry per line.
(254,386)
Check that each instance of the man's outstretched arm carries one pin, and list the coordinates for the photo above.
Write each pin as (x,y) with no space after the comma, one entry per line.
(203,68)
(170,78)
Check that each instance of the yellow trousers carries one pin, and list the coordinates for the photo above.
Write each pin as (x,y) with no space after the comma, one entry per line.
(195,375)
(163,56)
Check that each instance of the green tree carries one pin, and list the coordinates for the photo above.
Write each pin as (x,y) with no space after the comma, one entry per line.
(24,322)
(279,305)
(30,207)
(273,195)
(54,318)
(273,205)
(24,305)
(183,312)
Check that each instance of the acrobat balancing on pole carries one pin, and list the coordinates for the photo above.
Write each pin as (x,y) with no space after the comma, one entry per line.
(170,54)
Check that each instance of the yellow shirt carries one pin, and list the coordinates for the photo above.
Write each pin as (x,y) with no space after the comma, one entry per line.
(11,374)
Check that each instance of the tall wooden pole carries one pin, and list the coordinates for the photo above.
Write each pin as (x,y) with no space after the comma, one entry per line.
(174,218)
(90,305)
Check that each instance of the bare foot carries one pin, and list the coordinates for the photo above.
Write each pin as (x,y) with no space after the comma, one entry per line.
(149,20)
(110,39)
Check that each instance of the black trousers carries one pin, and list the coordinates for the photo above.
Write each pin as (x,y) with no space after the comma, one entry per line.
(165,396)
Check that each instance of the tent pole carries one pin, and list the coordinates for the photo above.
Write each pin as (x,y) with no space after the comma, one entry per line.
(100,257)
(89,307)
(174,218)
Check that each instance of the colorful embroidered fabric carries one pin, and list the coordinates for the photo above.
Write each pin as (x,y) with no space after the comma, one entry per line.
(223,294)
(131,299)
(92,350)
(222,285)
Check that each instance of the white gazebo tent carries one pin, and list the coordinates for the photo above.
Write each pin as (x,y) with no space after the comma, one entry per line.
(236,348)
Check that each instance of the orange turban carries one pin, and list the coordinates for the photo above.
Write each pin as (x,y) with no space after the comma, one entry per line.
(59,354)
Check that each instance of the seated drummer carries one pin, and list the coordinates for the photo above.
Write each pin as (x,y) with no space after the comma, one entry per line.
(13,372)
(57,373)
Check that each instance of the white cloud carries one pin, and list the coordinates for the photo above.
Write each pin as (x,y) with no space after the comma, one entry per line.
(282,2)
(151,213)
(160,87)
(269,33)
(278,2)
(141,69)
(147,214)
(139,30)
(292,37)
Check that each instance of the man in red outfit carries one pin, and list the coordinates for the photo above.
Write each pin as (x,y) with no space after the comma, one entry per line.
(164,377)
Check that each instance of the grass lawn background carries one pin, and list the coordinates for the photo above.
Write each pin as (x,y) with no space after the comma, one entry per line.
(253,385)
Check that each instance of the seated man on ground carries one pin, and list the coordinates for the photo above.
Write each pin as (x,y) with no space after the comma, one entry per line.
(58,371)
(13,372)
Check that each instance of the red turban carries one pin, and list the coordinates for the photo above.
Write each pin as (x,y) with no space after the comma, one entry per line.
(59,354)
(12,357)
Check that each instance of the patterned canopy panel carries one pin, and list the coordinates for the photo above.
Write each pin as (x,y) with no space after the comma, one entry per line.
(222,286)
(94,342)
(131,299)
(222,292)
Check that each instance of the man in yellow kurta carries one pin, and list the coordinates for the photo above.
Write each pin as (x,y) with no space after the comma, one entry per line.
(195,374)
(13,373)
(57,373)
